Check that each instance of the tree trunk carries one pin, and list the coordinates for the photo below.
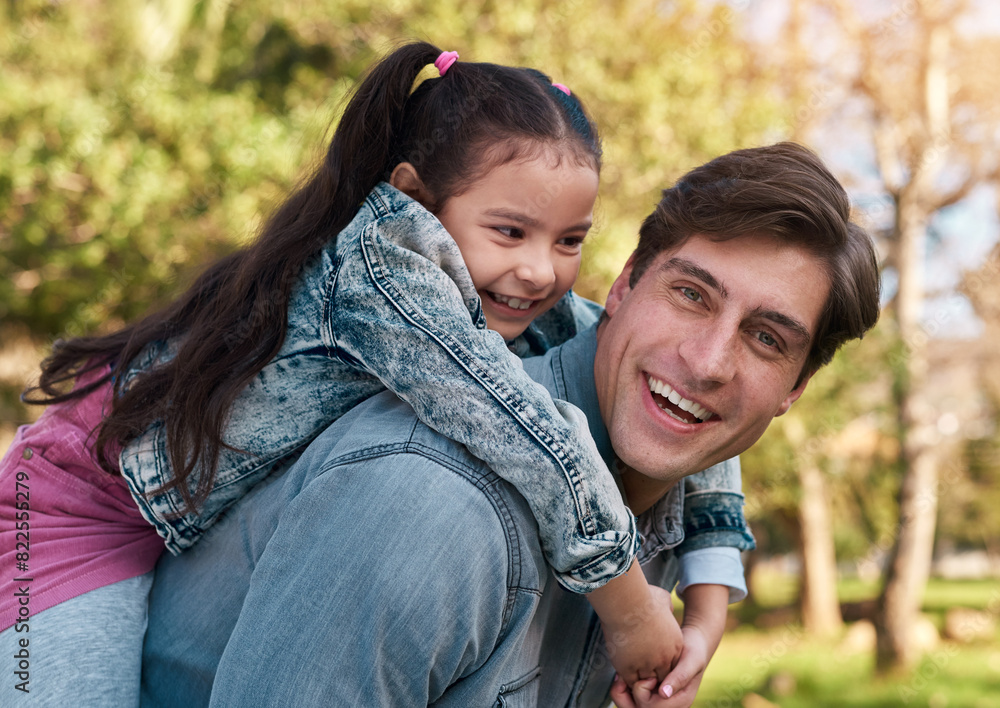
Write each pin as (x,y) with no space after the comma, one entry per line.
(909,566)
(910,560)
(818,597)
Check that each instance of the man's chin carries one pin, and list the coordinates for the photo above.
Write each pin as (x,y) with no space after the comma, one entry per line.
(652,474)
(653,468)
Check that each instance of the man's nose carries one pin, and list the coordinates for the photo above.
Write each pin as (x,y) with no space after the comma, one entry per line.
(711,352)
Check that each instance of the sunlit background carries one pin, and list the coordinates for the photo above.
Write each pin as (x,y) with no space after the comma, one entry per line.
(140,139)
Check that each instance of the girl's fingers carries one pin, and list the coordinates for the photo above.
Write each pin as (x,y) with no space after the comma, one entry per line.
(667,689)
(620,694)
(644,691)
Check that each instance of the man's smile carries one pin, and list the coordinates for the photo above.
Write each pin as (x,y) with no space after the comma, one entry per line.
(675,405)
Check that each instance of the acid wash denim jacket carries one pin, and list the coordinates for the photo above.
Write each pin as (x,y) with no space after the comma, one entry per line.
(390,304)
(281,603)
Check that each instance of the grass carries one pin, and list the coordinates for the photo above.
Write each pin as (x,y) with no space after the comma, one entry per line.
(783,666)
(792,670)
(939,596)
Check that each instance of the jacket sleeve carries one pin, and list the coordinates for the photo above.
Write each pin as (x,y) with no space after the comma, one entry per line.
(713,509)
(405,310)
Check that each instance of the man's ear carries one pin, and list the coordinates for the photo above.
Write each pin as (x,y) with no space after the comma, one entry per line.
(407,180)
(793,396)
(619,289)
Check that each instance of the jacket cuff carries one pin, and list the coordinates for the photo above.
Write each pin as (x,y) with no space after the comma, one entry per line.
(714,566)
(715,519)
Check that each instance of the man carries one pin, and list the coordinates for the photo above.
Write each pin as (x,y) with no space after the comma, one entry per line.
(390,567)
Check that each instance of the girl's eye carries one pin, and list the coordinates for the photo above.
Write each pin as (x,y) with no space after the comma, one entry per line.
(571,241)
(510,231)
(691,294)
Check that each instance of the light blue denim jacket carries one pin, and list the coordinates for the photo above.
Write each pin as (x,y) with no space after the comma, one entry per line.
(389,567)
(390,304)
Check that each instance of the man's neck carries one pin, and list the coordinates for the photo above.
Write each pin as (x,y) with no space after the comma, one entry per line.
(575,383)
(641,492)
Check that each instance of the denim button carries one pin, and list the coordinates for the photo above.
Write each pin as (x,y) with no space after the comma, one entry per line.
(27,453)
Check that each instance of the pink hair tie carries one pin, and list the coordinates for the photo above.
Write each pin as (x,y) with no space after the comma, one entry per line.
(563,88)
(444,61)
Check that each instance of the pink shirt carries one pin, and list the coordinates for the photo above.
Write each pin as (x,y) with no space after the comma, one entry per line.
(66,525)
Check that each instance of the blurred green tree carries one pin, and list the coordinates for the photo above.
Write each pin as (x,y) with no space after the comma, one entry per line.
(141,139)
(913,80)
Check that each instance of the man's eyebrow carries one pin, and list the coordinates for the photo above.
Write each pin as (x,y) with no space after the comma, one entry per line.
(696,271)
(798,330)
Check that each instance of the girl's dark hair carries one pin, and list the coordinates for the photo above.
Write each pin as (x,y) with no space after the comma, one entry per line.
(231,322)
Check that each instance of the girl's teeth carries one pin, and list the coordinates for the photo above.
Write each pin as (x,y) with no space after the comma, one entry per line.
(513,302)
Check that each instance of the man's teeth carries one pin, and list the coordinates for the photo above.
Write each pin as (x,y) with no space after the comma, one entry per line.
(516,303)
(698,411)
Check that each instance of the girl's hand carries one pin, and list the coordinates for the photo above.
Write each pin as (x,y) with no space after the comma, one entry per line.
(684,680)
(682,684)
(642,694)
(645,642)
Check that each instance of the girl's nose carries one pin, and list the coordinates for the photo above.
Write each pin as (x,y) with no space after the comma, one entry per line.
(536,270)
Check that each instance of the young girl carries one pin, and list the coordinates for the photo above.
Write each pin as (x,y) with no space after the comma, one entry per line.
(352,286)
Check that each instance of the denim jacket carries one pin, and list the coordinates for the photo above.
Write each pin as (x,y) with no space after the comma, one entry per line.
(281,603)
(390,304)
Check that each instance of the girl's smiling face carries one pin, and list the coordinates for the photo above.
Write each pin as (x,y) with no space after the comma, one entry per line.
(520,229)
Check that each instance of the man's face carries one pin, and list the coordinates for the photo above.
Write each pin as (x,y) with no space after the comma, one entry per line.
(698,357)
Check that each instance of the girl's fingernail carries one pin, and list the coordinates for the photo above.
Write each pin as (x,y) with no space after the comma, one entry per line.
(667,691)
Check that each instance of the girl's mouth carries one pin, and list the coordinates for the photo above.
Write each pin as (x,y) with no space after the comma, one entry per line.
(512,302)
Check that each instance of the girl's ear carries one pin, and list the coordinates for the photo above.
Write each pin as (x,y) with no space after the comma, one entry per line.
(405,178)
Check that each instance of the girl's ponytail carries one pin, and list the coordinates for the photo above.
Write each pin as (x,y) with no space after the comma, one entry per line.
(232,321)
(360,154)
(364,145)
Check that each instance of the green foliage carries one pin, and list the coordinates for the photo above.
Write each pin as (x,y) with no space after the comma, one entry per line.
(846,423)
(122,174)
(144,139)
(970,491)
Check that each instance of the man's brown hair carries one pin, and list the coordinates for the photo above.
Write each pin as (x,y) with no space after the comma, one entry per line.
(785,191)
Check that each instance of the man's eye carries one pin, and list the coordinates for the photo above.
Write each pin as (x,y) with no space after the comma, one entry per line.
(691,294)
(767,339)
